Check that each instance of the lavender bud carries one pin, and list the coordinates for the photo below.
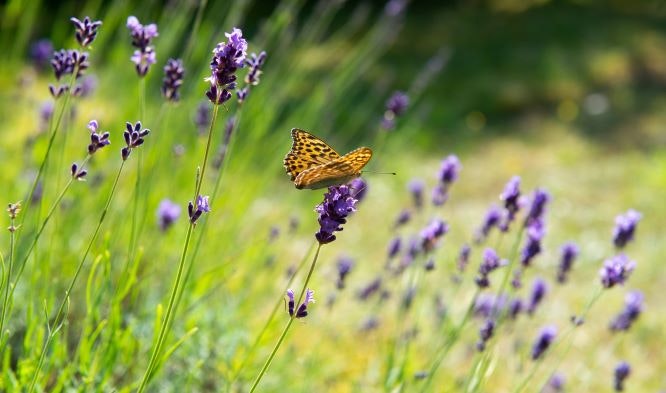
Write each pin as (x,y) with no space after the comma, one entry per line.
(167,213)
(622,371)
(616,270)
(633,306)
(569,254)
(86,30)
(545,338)
(539,290)
(625,226)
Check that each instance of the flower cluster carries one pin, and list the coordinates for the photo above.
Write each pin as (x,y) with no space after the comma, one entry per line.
(491,261)
(431,234)
(167,213)
(142,36)
(485,333)
(133,138)
(97,139)
(616,270)
(569,253)
(543,341)
(395,107)
(173,79)
(539,290)
(302,310)
(633,306)
(333,211)
(625,226)
(86,30)
(492,219)
(622,371)
(448,173)
(254,63)
(67,62)
(195,211)
(512,204)
(228,57)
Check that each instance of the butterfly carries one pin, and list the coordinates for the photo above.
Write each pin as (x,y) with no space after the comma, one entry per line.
(313,164)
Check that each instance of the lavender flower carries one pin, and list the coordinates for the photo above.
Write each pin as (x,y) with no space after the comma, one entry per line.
(539,290)
(489,306)
(625,226)
(97,140)
(167,213)
(202,206)
(173,79)
(543,341)
(535,233)
(569,253)
(46,112)
(86,30)
(395,107)
(429,265)
(133,138)
(142,36)
(431,234)
(67,62)
(302,311)
(555,384)
(255,62)
(449,170)
(202,117)
(78,173)
(616,270)
(463,257)
(403,218)
(511,198)
(622,371)
(41,52)
(515,307)
(227,58)
(370,289)
(491,261)
(333,211)
(492,219)
(345,265)
(360,188)
(439,195)
(485,333)
(540,199)
(394,247)
(416,188)
(633,306)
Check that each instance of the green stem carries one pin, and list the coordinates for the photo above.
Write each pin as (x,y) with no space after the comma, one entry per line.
(58,321)
(166,322)
(5,303)
(286,328)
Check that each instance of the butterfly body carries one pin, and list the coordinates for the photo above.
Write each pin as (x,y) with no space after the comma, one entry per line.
(313,164)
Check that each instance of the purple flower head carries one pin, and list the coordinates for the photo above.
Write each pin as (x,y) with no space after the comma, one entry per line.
(430,234)
(555,383)
(540,199)
(511,198)
(46,111)
(173,79)
(66,62)
(439,195)
(97,139)
(535,233)
(373,287)
(228,57)
(492,219)
(463,257)
(625,226)
(254,63)
(86,30)
(167,213)
(41,52)
(397,103)
(569,254)
(449,170)
(134,137)
(616,270)
(633,306)
(142,36)
(86,87)
(491,261)
(403,218)
(195,211)
(394,247)
(78,173)
(333,211)
(539,290)
(489,306)
(345,265)
(359,187)
(303,308)
(485,333)
(543,341)
(416,186)
(202,117)
(622,371)
(515,307)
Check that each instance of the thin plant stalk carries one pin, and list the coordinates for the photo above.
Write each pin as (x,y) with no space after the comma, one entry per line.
(59,318)
(139,167)
(286,328)
(166,322)
(5,303)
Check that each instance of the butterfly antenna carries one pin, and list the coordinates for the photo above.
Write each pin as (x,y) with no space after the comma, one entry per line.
(380,173)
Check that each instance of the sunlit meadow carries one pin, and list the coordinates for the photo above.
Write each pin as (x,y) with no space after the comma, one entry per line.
(506,236)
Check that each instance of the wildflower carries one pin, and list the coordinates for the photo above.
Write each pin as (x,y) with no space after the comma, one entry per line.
(142,36)
(41,52)
(360,188)
(515,307)
(78,173)
(463,257)
(167,213)
(492,219)
(439,195)
(569,253)
(202,117)
(540,199)
(449,170)
(302,311)
(67,62)
(394,247)
(403,218)
(555,384)
(539,290)
(511,198)
(545,338)
(370,289)
(86,30)
(173,79)
(338,203)
(195,211)
(255,62)
(416,188)
(13,209)
(46,111)
(395,107)
(344,267)
(491,261)
(431,233)
(633,306)
(133,138)
(97,140)
(616,270)
(485,333)
(622,371)
(625,226)
(227,58)
(489,306)
(535,233)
